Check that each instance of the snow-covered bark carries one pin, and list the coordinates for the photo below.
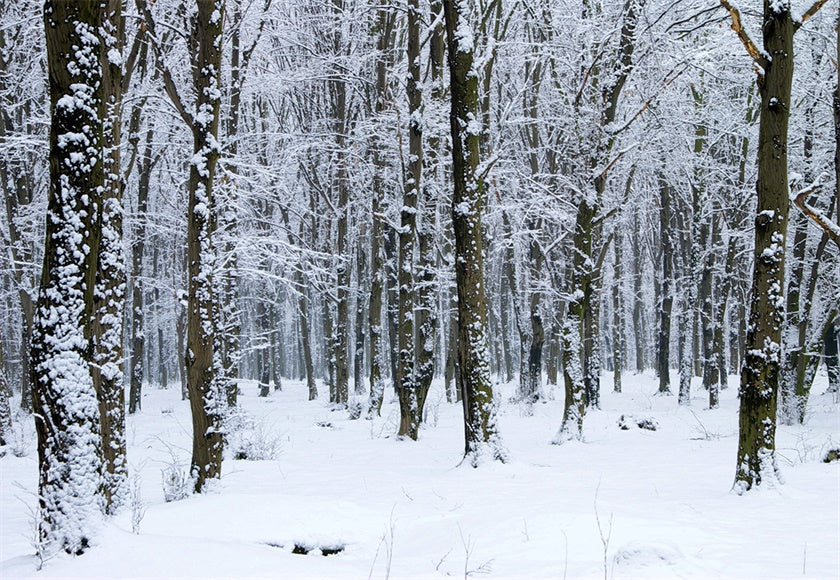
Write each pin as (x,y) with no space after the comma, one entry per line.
(67,416)
(756,462)
(410,402)
(5,406)
(665,238)
(138,317)
(208,21)
(482,439)
(109,294)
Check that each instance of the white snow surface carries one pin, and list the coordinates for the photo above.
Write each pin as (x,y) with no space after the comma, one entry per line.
(404,509)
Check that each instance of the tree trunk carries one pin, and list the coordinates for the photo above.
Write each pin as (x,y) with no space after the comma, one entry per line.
(5,407)
(410,411)
(384,32)
(481,437)
(138,334)
(760,376)
(665,235)
(201,324)
(359,349)
(638,315)
(65,402)
(306,341)
(618,314)
(109,295)
(832,361)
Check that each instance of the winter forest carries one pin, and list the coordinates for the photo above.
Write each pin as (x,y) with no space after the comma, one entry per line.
(419,288)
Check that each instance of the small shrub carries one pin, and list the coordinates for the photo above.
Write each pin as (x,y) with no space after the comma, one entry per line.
(175,482)
(257,444)
(21,437)
(138,506)
(627,422)
(832,455)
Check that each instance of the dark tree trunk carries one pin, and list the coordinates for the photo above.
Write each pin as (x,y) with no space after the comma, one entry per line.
(638,315)
(618,314)
(66,409)
(306,341)
(467,205)
(138,334)
(359,349)
(201,324)
(760,376)
(665,235)
(109,296)
(410,410)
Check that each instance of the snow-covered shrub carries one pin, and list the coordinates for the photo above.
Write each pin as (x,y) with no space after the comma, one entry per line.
(138,506)
(247,439)
(175,481)
(21,437)
(255,444)
(627,422)
(357,407)
(431,414)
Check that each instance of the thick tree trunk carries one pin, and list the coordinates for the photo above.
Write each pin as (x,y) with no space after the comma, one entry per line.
(201,323)
(109,295)
(573,333)
(468,199)
(66,409)
(384,28)
(760,376)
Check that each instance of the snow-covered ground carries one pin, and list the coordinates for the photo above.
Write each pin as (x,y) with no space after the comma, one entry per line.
(624,504)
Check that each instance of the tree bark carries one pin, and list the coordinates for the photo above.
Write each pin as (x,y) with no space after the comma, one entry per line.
(756,463)
(109,295)
(410,411)
(481,436)
(206,37)
(665,235)
(65,402)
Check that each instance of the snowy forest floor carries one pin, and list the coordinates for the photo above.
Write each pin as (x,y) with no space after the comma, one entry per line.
(404,509)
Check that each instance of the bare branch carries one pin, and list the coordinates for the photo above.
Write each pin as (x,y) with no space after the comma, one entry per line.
(815,7)
(745,39)
(648,103)
(168,82)
(831,229)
